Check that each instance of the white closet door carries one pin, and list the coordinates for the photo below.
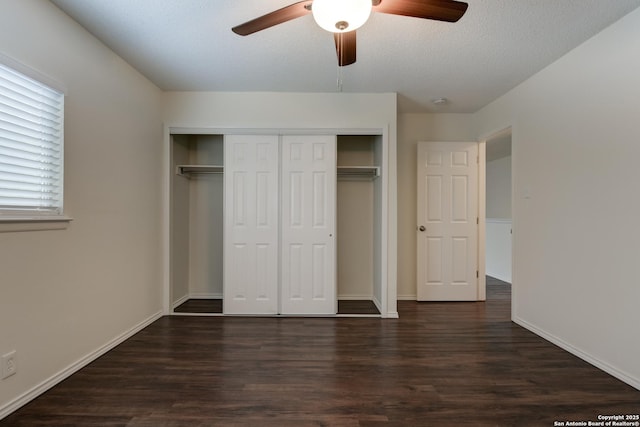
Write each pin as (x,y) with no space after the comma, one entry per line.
(308,225)
(251,224)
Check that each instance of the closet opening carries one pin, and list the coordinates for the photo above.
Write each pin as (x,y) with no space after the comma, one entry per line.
(197,224)
(359,207)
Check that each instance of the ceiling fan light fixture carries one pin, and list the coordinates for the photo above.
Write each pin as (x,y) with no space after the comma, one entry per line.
(340,16)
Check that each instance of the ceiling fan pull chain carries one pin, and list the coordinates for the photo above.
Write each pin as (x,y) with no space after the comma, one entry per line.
(339,82)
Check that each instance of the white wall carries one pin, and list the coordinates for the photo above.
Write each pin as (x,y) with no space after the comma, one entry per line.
(270,110)
(289,111)
(576,240)
(413,128)
(498,173)
(67,293)
(498,249)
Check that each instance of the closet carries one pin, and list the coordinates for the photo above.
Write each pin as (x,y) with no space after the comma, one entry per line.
(276,224)
(196,222)
(359,223)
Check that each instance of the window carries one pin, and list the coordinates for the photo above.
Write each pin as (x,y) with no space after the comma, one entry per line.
(31,148)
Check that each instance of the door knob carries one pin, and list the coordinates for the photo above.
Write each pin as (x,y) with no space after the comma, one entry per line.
(422,228)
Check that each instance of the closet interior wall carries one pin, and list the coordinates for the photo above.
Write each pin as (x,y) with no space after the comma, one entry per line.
(359,221)
(196,219)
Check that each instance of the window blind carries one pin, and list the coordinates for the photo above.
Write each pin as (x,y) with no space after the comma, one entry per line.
(31,146)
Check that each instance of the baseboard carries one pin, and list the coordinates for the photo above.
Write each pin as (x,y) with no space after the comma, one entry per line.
(36,391)
(377,303)
(355,297)
(611,370)
(179,302)
(413,297)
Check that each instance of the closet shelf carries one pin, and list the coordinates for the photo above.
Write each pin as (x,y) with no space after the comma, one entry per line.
(358,171)
(188,170)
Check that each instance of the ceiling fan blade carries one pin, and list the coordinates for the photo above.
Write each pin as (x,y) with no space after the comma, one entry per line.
(287,13)
(439,10)
(345,47)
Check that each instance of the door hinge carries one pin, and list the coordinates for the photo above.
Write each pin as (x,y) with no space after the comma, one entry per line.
(478,220)
(477,274)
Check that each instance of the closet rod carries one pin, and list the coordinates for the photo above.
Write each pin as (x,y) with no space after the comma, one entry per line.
(359,171)
(188,170)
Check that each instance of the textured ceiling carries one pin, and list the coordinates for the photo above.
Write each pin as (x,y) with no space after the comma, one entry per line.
(188,45)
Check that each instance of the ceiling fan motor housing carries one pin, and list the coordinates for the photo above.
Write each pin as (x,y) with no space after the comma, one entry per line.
(338,16)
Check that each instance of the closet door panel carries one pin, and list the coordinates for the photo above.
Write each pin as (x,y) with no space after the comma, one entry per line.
(251,224)
(308,224)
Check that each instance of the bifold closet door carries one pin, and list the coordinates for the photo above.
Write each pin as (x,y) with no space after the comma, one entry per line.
(308,225)
(251,224)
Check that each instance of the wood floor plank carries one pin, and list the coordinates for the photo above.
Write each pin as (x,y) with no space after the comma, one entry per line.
(439,364)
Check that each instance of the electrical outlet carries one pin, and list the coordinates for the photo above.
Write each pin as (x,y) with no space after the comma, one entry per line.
(9,364)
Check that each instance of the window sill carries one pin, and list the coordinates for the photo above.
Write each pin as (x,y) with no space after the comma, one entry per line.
(11,224)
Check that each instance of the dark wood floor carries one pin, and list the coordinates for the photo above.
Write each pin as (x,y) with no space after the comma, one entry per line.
(440,364)
(357,307)
(497,289)
(195,305)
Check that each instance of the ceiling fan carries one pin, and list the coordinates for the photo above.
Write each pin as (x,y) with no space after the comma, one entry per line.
(344,17)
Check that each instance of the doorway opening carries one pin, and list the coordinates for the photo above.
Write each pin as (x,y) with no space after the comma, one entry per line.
(498,195)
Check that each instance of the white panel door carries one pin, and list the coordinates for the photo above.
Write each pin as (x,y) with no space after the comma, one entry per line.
(251,224)
(447,221)
(308,266)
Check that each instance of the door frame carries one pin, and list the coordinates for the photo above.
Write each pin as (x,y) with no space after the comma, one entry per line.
(482,220)
(388,228)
